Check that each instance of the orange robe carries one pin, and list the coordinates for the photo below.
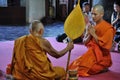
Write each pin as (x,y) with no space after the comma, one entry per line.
(98,57)
(30,61)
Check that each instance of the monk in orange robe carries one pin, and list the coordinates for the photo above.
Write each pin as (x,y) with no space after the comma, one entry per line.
(30,61)
(98,40)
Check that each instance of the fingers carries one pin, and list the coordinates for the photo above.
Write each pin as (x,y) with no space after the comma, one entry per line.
(71,45)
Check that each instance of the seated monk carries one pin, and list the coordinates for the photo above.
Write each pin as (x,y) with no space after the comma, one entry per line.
(30,61)
(98,40)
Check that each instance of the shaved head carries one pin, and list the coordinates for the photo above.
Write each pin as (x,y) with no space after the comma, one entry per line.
(99,8)
(97,13)
(35,26)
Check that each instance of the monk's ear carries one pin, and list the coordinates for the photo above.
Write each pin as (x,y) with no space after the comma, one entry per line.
(40,31)
(102,14)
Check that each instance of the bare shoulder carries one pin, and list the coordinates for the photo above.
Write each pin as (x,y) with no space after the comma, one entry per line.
(44,42)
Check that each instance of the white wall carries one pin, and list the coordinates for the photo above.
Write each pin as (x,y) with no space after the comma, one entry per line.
(35,10)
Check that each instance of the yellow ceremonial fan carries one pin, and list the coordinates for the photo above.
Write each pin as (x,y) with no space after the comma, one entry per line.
(75,24)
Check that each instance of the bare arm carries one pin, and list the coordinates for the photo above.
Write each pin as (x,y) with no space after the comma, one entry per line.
(114,21)
(53,52)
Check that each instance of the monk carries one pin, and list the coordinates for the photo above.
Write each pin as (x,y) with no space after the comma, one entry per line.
(30,61)
(98,40)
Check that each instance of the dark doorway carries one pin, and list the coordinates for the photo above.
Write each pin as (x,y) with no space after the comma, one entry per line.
(71,4)
(13,2)
(62,8)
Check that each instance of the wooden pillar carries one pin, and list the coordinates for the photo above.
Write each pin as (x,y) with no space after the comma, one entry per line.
(46,8)
(70,5)
(57,9)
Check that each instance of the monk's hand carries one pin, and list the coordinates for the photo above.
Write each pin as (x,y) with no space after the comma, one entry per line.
(70,45)
(91,30)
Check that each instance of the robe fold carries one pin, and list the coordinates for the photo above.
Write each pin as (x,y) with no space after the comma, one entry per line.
(30,61)
(98,57)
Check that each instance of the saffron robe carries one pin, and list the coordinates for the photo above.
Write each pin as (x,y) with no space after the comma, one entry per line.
(98,57)
(30,61)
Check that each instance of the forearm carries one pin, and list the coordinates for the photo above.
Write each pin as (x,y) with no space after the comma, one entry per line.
(114,22)
(47,47)
(63,52)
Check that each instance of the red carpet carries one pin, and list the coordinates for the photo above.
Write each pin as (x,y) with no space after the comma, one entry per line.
(6,48)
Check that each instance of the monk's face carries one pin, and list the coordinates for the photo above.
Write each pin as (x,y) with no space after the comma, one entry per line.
(96,15)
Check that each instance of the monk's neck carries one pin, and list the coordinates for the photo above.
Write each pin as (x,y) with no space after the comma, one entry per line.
(99,21)
(37,35)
